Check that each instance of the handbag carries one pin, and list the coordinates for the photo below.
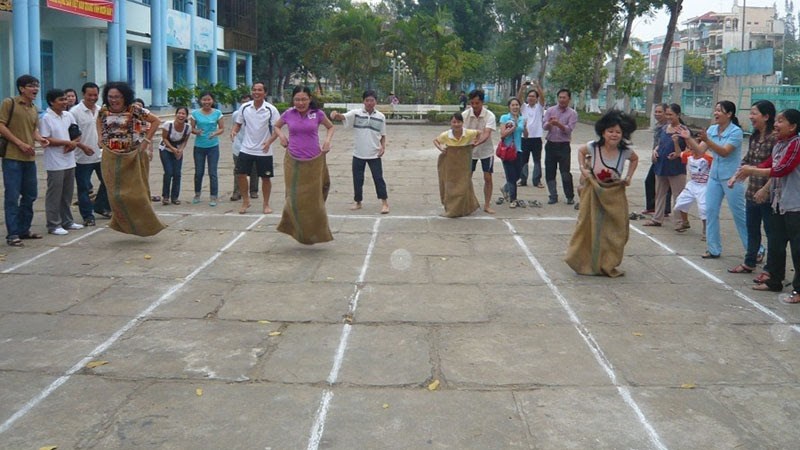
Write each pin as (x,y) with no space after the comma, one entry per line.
(505,152)
(74,132)
(3,140)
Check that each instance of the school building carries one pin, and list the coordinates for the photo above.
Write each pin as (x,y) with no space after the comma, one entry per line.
(152,44)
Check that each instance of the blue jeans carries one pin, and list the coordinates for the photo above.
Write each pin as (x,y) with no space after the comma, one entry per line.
(512,169)
(716,190)
(83,180)
(784,229)
(757,213)
(171,187)
(20,189)
(200,156)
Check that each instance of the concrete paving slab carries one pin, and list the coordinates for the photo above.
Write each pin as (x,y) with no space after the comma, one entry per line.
(230,416)
(697,354)
(528,304)
(438,244)
(196,300)
(322,302)
(303,353)
(388,355)
(694,418)
(78,261)
(73,417)
(570,418)
(417,418)
(381,303)
(246,267)
(151,263)
(764,409)
(474,269)
(48,294)
(17,387)
(514,355)
(185,348)
(561,274)
(663,303)
(52,343)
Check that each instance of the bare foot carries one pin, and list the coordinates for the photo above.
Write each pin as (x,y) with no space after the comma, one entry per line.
(385,209)
(355,206)
(267,209)
(488,210)
(244,207)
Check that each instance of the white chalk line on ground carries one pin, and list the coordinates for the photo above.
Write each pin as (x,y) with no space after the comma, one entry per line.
(587,337)
(51,250)
(772,314)
(382,217)
(318,427)
(32,403)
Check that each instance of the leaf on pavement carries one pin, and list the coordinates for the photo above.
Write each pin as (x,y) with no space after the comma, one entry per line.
(434,385)
(94,364)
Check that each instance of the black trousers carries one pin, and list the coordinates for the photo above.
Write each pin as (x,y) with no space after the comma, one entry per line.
(376,169)
(783,229)
(557,159)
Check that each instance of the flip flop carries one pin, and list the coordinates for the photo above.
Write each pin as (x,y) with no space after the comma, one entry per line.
(708,255)
(30,236)
(741,268)
(499,201)
(16,242)
(534,203)
(651,223)
(761,278)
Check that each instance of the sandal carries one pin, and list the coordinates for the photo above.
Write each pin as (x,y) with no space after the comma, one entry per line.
(792,299)
(651,223)
(165,201)
(522,204)
(708,255)
(16,242)
(763,277)
(30,235)
(764,287)
(683,227)
(741,268)
(155,198)
(534,203)
(500,201)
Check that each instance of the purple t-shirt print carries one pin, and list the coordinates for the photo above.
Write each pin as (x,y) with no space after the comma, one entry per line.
(303,133)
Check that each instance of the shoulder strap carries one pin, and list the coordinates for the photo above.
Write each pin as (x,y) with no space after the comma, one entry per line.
(10,112)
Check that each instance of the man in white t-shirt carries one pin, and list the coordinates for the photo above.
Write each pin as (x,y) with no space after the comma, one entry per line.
(533,112)
(256,120)
(476,117)
(88,156)
(59,161)
(369,127)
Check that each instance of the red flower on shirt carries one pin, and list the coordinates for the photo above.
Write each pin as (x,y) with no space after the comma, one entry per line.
(605,175)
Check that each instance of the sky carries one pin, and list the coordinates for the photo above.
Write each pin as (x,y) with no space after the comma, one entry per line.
(647,29)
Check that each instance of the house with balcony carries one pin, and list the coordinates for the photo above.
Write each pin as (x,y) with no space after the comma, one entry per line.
(154,45)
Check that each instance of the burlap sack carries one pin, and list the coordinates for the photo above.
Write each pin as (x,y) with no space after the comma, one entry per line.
(455,182)
(598,243)
(307,184)
(129,194)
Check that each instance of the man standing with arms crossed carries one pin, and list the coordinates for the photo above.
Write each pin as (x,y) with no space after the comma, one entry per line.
(88,156)
(476,117)
(19,124)
(559,121)
(369,126)
(256,120)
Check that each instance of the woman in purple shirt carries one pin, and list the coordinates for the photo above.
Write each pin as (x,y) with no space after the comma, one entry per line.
(303,121)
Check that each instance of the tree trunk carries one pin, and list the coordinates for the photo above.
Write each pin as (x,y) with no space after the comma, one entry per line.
(544,55)
(619,66)
(674,7)
(597,82)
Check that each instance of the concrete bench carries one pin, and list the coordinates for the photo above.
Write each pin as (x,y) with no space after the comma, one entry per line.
(399,111)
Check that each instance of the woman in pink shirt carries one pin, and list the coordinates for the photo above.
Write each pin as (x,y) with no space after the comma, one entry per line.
(303,121)
(305,169)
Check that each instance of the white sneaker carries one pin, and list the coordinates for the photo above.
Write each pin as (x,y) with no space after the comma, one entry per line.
(58,231)
(75,226)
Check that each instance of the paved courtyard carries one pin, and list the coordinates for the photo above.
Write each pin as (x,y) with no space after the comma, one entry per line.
(408,331)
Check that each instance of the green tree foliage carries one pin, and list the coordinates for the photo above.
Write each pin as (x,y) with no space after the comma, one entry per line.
(350,49)
(631,81)
(573,69)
